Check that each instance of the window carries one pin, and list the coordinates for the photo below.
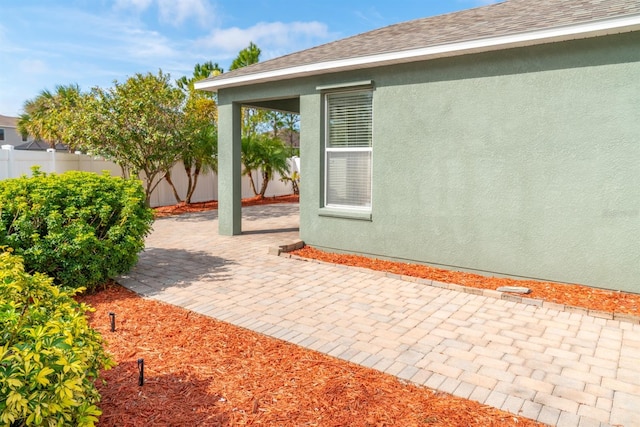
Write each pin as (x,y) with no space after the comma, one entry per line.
(348,149)
(1,134)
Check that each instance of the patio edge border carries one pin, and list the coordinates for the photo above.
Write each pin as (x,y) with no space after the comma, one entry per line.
(283,251)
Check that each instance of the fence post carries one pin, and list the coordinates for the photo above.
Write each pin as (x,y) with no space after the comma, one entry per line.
(10,160)
(52,160)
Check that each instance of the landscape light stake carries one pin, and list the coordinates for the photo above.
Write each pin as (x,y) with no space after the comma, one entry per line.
(113,321)
(141,370)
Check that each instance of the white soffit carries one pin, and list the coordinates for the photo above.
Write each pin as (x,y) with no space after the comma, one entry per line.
(556,34)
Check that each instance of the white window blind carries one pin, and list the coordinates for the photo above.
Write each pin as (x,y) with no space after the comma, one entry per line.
(348,149)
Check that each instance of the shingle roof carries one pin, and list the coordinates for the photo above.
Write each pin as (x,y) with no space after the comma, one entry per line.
(8,122)
(501,19)
(40,145)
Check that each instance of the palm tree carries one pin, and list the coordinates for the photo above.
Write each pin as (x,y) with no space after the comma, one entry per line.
(201,142)
(200,134)
(35,121)
(260,152)
(49,114)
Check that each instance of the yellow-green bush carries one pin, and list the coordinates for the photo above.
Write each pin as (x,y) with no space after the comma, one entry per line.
(77,227)
(49,355)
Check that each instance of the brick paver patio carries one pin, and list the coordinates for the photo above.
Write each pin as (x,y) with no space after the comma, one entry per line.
(557,367)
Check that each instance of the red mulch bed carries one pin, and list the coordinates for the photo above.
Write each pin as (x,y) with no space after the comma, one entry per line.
(571,295)
(181,208)
(203,372)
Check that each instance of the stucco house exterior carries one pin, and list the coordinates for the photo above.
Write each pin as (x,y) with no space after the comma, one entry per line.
(9,134)
(503,140)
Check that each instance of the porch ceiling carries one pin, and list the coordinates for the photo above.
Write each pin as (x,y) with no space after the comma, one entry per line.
(287,105)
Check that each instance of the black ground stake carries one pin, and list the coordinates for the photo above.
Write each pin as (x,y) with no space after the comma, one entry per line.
(113,321)
(141,370)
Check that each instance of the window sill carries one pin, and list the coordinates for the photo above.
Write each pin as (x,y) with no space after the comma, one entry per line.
(345,213)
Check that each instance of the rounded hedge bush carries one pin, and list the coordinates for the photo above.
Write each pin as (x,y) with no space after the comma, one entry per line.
(77,227)
(49,356)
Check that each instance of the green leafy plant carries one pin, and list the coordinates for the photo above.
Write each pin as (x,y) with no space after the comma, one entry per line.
(137,124)
(78,227)
(294,179)
(266,155)
(49,355)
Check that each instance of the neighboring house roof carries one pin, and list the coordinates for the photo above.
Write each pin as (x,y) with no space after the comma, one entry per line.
(40,145)
(511,23)
(8,121)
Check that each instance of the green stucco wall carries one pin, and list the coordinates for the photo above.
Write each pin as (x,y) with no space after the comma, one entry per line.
(524,162)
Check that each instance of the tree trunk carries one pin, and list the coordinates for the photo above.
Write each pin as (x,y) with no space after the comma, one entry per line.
(187,169)
(252,184)
(167,176)
(192,188)
(265,182)
(147,193)
(125,172)
(151,186)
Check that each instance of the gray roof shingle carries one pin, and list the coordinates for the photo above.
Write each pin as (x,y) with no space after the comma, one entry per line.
(8,121)
(500,19)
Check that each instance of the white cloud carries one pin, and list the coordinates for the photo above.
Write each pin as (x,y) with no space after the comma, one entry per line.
(139,5)
(174,12)
(94,47)
(269,36)
(178,11)
(140,45)
(114,38)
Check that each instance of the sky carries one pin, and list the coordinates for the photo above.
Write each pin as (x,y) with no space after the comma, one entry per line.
(46,43)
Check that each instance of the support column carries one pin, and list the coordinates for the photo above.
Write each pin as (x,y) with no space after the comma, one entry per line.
(229,169)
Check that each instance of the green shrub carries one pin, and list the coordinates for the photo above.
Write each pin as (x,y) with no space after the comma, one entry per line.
(78,227)
(49,356)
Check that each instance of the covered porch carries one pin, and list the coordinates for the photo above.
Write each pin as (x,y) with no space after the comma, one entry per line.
(229,153)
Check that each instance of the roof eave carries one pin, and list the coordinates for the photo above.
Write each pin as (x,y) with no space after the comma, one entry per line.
(557,34)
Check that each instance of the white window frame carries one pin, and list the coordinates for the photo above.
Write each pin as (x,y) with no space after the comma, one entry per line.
(354,149)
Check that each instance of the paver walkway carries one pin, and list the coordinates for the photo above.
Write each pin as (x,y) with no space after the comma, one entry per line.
(560,368)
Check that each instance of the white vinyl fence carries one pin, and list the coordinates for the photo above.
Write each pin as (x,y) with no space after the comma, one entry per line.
(15,163)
